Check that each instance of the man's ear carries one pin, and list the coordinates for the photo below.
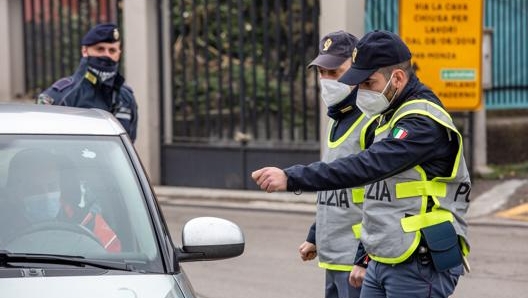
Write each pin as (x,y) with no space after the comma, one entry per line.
(84,51)
(399,78)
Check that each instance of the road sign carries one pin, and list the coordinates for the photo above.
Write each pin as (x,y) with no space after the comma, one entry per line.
(445,39)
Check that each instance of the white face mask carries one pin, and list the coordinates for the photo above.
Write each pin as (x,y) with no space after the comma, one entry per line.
(333,92)
(372,103)
(43,206)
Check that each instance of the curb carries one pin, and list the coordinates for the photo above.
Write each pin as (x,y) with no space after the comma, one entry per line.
(170,192)
(494,221)
(236,199)
(480,214)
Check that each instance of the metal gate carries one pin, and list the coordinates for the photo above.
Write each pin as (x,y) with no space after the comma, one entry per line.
(236,91)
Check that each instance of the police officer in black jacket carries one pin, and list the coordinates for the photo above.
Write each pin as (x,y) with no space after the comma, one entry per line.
(97,82)
(416,181)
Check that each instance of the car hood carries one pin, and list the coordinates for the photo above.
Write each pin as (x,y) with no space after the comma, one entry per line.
(115,286)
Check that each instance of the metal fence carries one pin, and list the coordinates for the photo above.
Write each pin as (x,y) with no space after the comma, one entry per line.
(238,71)
(239,95)
(509,27)
(52,34)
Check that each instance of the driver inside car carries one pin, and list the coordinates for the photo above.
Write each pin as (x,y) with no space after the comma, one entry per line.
(40,190)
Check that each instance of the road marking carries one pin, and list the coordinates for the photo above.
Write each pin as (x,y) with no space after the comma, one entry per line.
(519,213)
(492,200)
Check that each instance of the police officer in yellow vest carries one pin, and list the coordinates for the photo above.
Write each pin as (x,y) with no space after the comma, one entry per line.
(338,210)
(417,183)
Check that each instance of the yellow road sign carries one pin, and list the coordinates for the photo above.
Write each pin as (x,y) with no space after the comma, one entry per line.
(445,39)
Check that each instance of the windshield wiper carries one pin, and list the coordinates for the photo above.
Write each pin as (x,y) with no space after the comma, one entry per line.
(79,261)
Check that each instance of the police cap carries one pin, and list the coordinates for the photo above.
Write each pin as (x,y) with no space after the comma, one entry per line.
(375,50)
(334,49)
(107,32)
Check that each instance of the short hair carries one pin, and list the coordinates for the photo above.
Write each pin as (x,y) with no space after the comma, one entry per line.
(405,66)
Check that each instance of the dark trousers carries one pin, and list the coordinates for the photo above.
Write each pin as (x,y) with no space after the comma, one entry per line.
(408,280)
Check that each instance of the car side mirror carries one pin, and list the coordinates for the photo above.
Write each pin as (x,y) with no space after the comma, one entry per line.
(210,238)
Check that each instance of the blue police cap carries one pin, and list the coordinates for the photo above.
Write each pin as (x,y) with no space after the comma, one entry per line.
(107,32)
(334,49)
(375,50)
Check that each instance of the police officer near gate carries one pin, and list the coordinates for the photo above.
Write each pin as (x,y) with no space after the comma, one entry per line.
(349,131)
(416,180)
(97,82)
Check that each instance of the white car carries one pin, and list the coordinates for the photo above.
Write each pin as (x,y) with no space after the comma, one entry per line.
(78,217)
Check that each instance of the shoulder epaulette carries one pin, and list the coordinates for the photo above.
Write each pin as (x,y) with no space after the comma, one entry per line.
(62,84)
(128,88)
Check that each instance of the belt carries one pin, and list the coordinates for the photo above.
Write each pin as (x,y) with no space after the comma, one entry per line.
(421,254)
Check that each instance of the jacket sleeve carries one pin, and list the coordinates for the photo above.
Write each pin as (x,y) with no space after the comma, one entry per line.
(128,112)
(425,141)
(311,234)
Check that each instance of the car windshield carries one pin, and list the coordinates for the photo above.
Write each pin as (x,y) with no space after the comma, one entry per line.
(74,196)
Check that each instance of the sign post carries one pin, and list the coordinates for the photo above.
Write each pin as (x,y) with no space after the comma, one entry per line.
(445,39)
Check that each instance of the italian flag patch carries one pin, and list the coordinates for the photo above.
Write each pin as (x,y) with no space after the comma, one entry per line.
(399,133)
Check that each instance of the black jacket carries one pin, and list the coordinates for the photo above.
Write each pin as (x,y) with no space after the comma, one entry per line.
(427,144)
(113,96)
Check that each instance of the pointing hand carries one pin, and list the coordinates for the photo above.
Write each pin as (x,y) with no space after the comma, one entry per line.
(270,179)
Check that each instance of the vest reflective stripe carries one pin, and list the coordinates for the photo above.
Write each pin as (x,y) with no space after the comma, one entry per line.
(391,229)
(334,144)
(106,235)
(449,124)
(363,134)
(102,231)
(356,229)
(358,195)
(338,210)
(404,256)
(465,247)
(420,188)
(416,222)
(336,267)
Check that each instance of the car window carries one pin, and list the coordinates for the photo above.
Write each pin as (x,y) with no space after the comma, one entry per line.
(74,195)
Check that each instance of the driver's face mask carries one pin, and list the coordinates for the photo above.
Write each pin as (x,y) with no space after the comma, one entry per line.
(42,207)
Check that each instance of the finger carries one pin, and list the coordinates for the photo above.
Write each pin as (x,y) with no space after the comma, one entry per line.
(273,184)
(256,174)
(266,184)
(263,186)
(353,279)
(263,176)
(353,282)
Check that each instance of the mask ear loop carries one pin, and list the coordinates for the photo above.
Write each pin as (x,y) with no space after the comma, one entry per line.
(386,86)
(388,83)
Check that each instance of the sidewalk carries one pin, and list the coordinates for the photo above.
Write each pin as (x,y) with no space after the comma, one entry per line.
(487,197)
(242,199)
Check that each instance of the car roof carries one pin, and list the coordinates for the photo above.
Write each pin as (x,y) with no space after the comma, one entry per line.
(20,118)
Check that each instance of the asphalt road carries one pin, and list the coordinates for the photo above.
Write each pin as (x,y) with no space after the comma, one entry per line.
(271,267)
